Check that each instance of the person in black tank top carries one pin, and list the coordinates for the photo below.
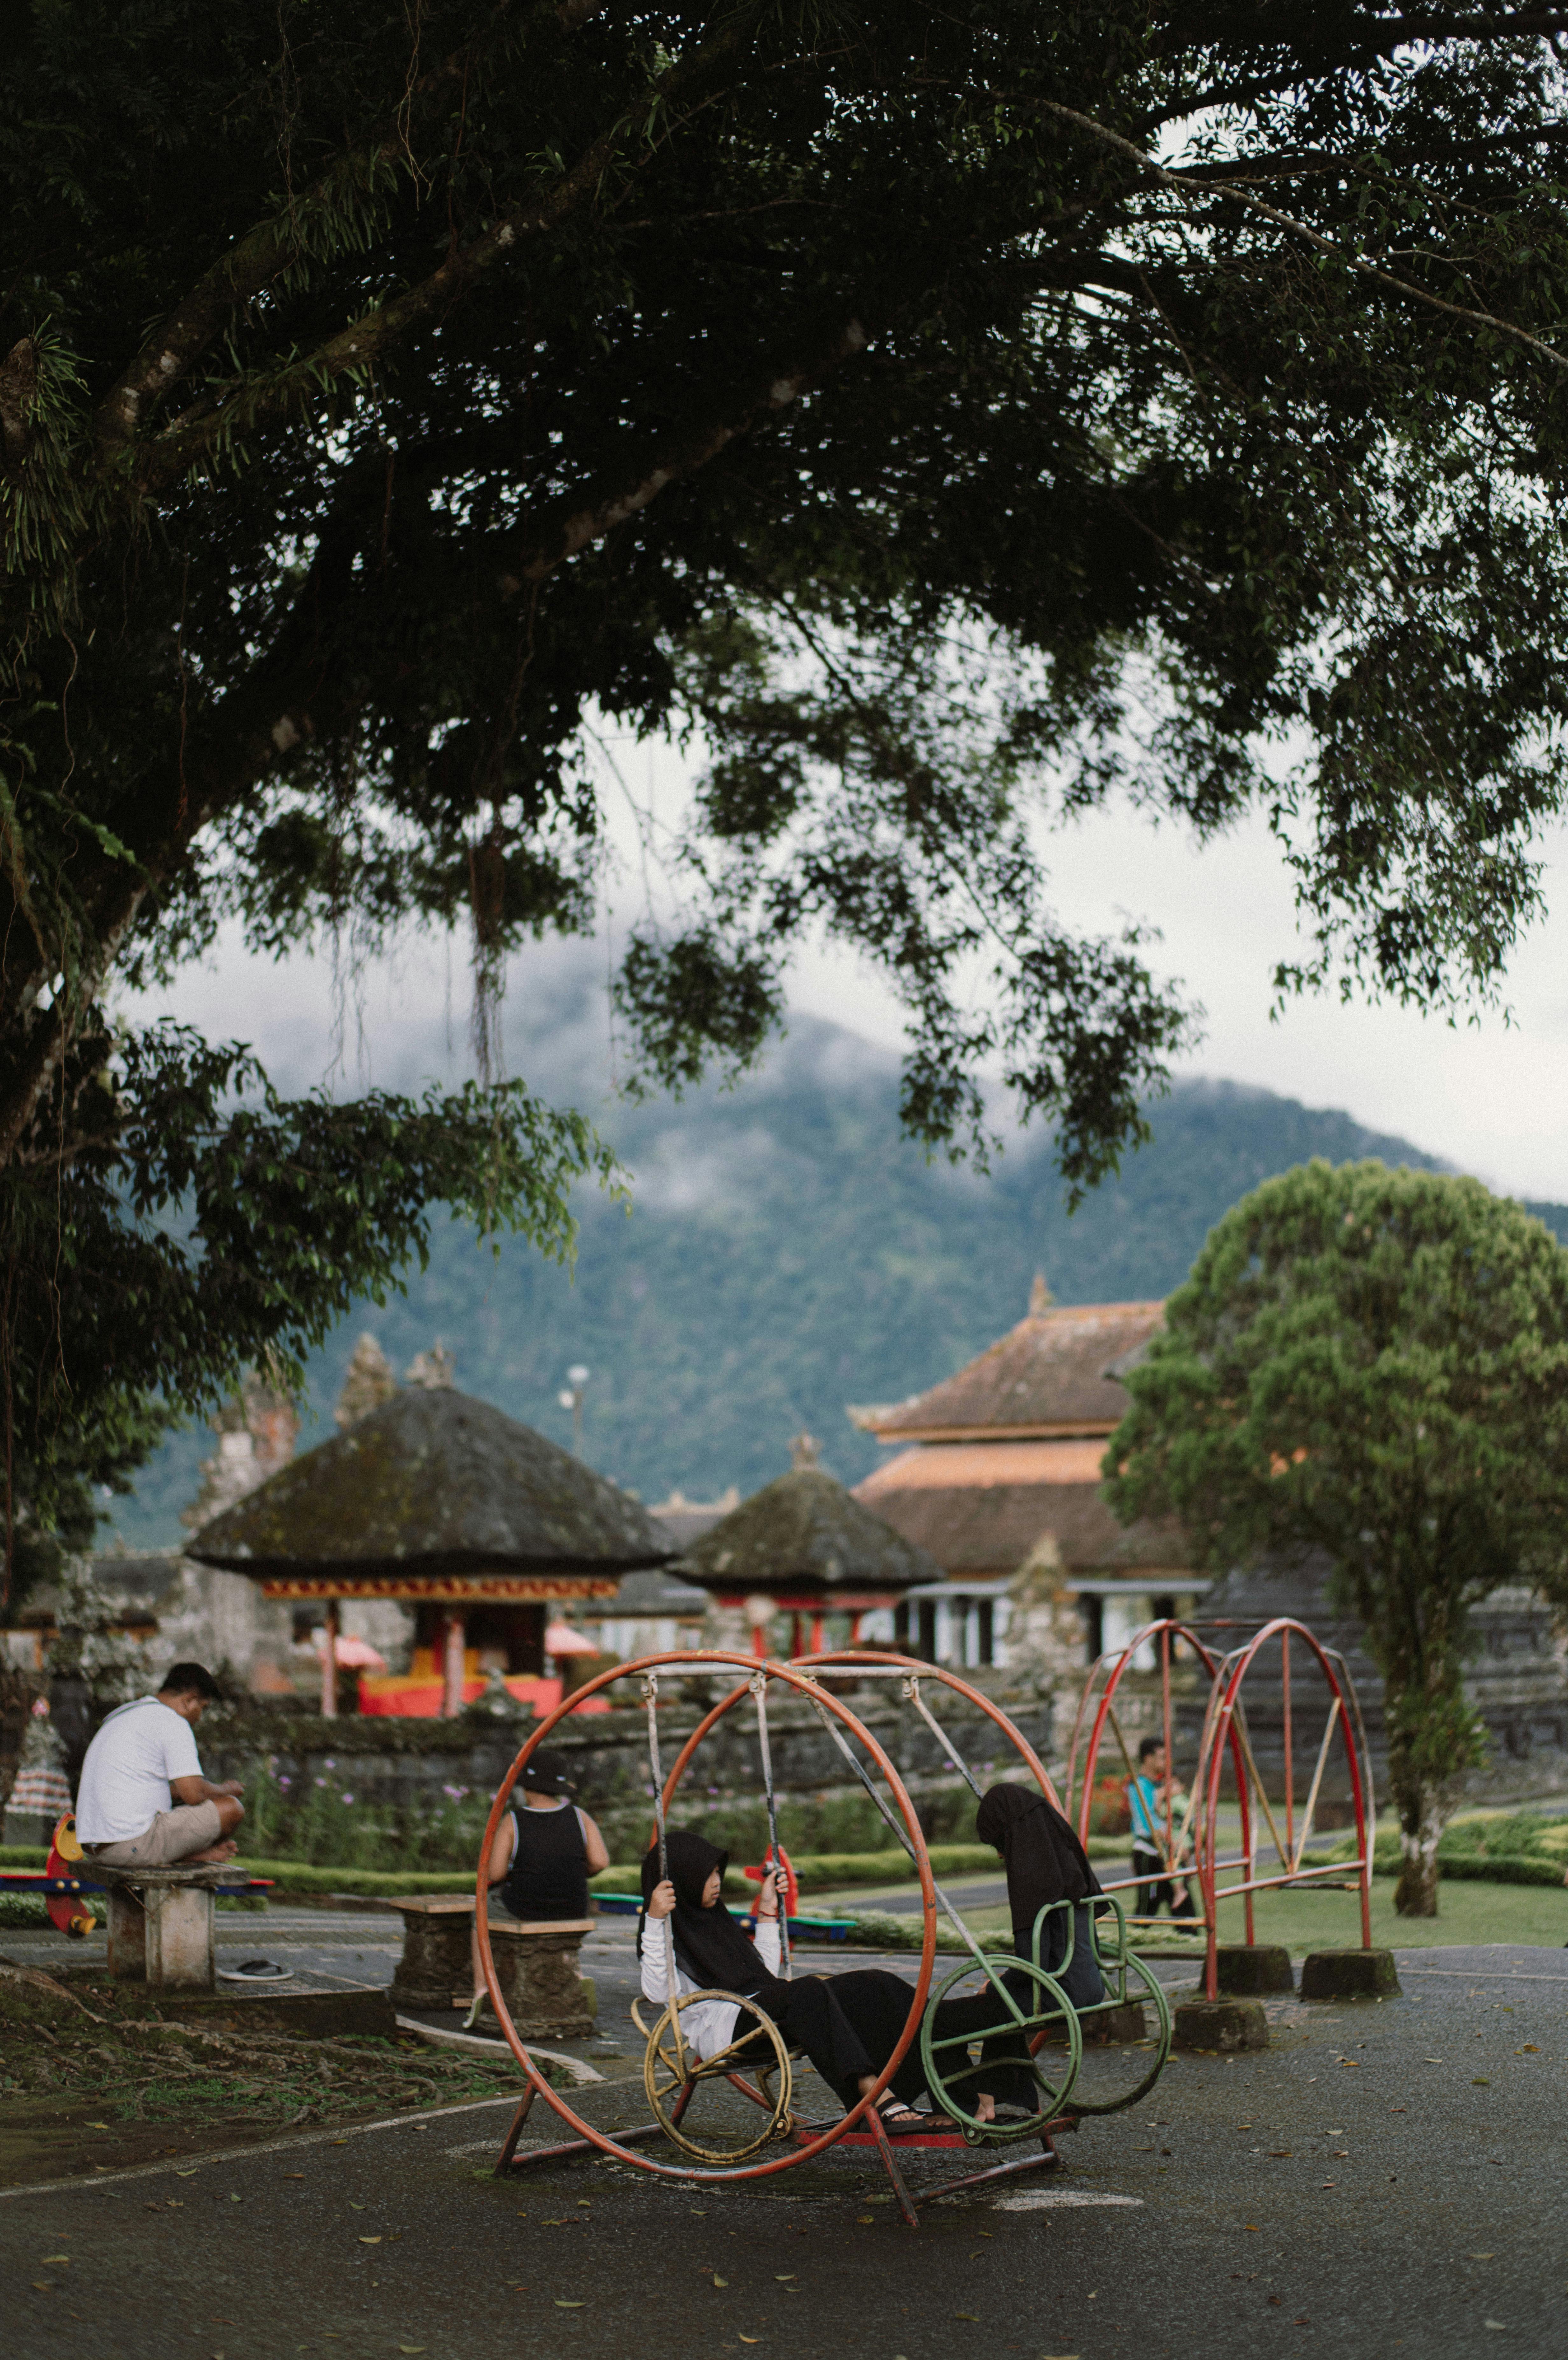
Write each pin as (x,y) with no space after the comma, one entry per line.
(545,1851)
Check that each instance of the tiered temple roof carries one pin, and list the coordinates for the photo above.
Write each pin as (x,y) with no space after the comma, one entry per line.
(1008,1451)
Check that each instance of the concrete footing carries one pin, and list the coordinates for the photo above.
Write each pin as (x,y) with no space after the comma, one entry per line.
(1349,1974)
(1224,2025)
(1128,2023)
(1249,1970)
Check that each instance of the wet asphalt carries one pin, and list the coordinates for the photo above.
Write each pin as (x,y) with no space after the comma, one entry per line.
(1387,2176)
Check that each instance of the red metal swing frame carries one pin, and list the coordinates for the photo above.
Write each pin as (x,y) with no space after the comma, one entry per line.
(862,2125)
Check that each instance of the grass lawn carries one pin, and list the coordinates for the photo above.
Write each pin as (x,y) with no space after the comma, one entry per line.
(1469,1912)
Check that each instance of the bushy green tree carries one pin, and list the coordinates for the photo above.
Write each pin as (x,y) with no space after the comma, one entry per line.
(1372,1365)
(946,417)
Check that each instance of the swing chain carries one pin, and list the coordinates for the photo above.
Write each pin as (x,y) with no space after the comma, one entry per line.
(651,1699)
(758,1686)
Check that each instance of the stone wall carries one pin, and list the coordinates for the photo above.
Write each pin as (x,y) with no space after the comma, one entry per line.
(402,1766)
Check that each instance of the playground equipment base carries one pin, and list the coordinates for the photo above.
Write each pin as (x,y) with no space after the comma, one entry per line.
(1224,2026)
(801,2135)
(1349,1974)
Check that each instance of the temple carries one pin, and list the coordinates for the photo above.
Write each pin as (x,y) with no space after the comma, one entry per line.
(441,1503)
(997,1478)
(806,1552)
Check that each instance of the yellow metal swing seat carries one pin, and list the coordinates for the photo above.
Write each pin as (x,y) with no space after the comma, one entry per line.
(672,2073)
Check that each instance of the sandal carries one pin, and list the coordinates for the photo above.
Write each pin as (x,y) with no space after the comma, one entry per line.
(900,2121)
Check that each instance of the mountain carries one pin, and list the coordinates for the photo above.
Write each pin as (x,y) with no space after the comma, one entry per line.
(788,1253)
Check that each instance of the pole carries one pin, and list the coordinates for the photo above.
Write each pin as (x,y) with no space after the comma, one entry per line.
(452,1666)
(330,1663)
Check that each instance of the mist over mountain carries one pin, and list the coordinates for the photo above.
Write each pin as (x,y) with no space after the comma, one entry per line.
(786,1253)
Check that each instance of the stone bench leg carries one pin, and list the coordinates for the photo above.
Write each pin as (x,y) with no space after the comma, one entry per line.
(536,1967)
(162,1936)
(436,1964)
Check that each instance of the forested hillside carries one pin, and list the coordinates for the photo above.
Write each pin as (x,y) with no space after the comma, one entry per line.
(787,1253)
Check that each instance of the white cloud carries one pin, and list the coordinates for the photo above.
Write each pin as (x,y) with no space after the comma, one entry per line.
(1492,1097)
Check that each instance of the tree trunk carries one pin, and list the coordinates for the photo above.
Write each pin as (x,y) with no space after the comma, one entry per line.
(1423,1813)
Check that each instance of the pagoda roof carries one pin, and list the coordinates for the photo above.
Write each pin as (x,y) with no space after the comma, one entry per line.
(806,1532)
(432,1483)
(1051,1374)
(982,1507)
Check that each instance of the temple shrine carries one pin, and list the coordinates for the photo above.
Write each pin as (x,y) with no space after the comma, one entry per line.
(998,1467)
(806,1549)
(440,1501)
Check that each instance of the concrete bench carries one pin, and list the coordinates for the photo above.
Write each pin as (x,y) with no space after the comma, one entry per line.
(161,1922)
(536,1964)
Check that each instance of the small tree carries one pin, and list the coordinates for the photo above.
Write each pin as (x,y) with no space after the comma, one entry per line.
(1372,1363)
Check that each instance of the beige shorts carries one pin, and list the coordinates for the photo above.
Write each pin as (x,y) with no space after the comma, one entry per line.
(173,1836)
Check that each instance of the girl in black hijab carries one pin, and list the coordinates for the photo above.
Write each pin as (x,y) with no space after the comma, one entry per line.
(1045,1864)
(847,2024)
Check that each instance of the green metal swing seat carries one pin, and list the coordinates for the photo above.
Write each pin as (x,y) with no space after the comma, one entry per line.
(1053,2013)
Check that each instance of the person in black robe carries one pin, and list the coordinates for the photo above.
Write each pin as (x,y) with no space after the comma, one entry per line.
(847,2024)
(1046,1863)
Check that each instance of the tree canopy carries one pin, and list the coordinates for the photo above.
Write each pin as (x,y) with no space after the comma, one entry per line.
(1372,1365)
(943,418)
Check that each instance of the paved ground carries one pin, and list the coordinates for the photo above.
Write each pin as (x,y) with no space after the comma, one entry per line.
(1386,2178)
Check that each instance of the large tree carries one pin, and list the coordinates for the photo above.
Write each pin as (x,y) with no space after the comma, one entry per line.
(1374,1365)
(947,418)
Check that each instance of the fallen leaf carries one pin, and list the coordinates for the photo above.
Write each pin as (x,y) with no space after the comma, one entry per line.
(236,2199)
(44,2286)
(1530,2049)
(51,2261)
(783,2276)
(748,2339)
(186,2175)
(718,2281)
(1480,2257)
(403,2347)
(1479,2082)
(351,2205)
(1497,2323)
(98,2126)
(1282,2150)
(370,2241)
(566,2306)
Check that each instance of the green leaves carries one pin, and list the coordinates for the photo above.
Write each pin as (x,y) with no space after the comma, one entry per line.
(1374,1365)
(209,1223)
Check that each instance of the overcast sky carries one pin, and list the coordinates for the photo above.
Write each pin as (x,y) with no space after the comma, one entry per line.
(1491,1097)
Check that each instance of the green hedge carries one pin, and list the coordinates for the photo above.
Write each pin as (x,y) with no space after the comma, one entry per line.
(825,1872)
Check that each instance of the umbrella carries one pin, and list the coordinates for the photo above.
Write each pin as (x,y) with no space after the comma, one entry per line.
(561,1639)
(359,1652)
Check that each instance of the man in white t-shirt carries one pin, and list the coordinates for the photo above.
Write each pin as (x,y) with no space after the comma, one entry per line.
(142,1801)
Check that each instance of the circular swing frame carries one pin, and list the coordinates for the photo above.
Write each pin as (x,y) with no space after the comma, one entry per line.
(801,1678)
(692,1662)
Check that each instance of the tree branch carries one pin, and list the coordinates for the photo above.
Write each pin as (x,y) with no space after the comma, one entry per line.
(353,349)
(267,251)
(283,706)
(1186,186)
(573,525)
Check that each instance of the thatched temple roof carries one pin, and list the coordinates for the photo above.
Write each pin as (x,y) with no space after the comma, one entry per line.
(433,1483)
(805,1532)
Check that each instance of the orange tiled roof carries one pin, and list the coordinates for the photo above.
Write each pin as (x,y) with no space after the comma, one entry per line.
(1046,1376)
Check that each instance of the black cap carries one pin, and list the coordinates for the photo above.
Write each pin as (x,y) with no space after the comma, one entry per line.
(545,1773)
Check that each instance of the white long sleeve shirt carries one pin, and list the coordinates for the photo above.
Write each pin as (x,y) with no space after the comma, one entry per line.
(710,2026)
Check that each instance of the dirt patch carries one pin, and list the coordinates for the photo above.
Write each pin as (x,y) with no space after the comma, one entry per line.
(84,2087)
